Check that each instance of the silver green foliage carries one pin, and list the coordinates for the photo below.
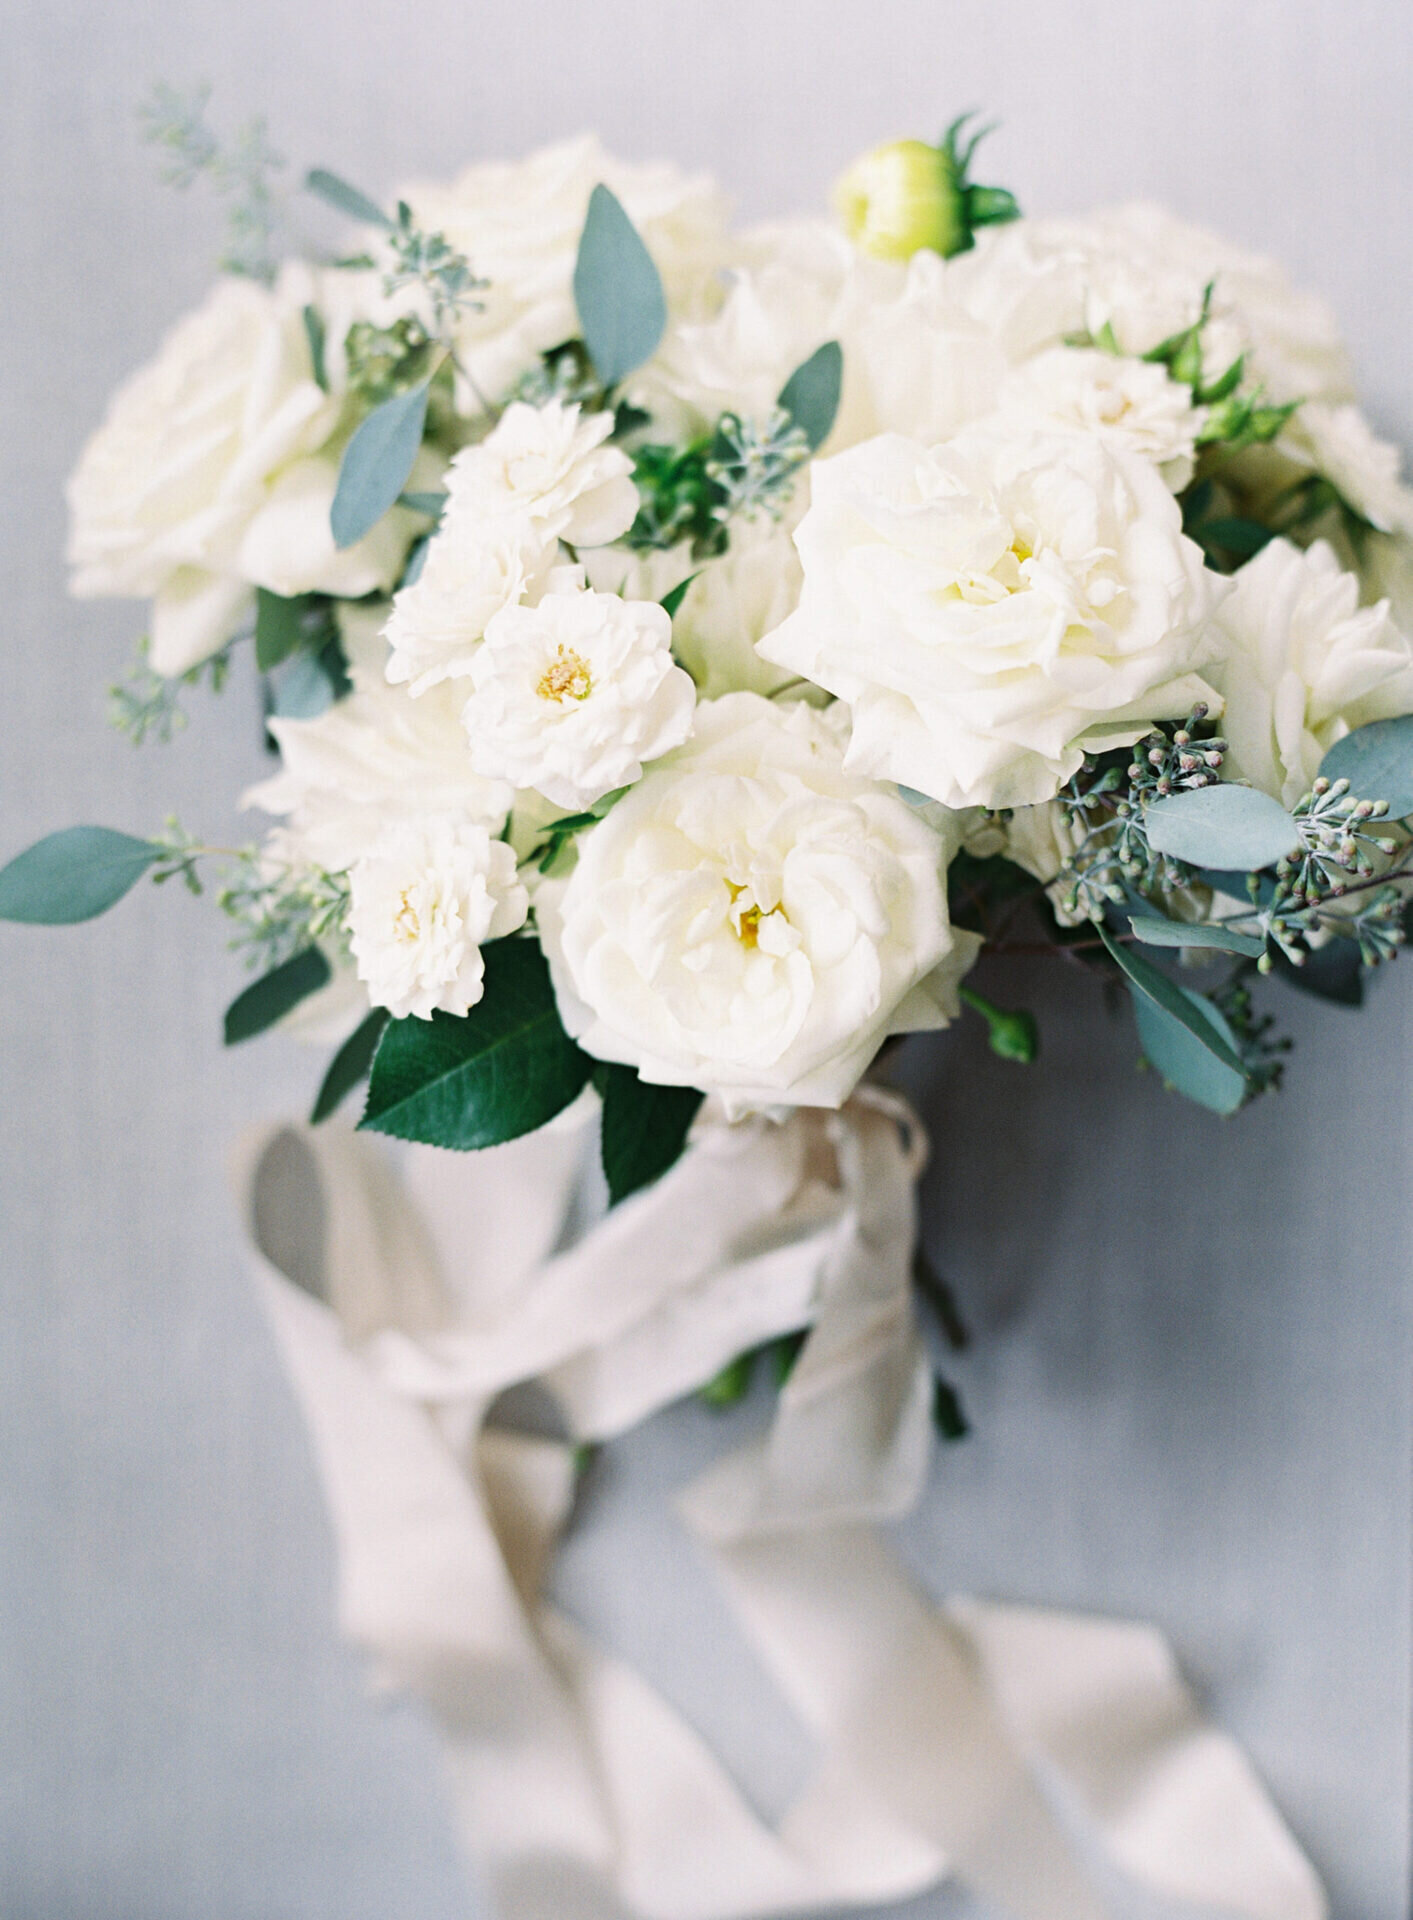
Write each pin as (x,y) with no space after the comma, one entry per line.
(241,172)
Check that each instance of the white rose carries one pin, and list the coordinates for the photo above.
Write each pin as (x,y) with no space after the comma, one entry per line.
(751,918)
(423,900)
(574,694)
(1339,443)
(519,222)
(1132,403)
(470,571)
(1304,664)
(930,367)
(733,601)
(547,467)
(375,757)
(288,545)
(189,455)
(990,606)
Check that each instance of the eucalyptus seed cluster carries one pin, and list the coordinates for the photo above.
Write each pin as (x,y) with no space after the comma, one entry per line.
(1337,853)
(1113,857)
(755,463)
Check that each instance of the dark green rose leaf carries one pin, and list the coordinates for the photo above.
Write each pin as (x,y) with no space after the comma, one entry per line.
(622,308)
(501,1070)
(811,395)
(1377,761)
(644,1128)
(673,598)
(376,464)
(314,333)
(73,875)
(349,1065)
(282,626)
(1237,828)
(275,994)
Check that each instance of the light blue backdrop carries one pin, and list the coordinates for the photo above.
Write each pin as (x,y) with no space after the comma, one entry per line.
(1191,1388)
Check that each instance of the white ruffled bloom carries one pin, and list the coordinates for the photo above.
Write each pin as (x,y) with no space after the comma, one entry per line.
(542,476)
(1132,403)
(548,467)
(1304,664)
(574,694)
(1339,443)
(753,919)
(423,900)
(519,222)
(375,758)
(199,484)
(990,607)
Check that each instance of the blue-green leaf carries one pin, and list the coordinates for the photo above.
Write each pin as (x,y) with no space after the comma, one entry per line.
(501,1070)
(811,395)
(1236,828)
(282,626)
(644,1128)
(347,199)
(1156,932)
(376,463)
(349,1065)
(275,994)
(622,308)
(1175,1001)
(1377,761)
(73,875)
(432,504)
(1186,1061)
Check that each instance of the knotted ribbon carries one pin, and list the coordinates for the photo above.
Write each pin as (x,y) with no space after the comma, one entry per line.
(1033,1754)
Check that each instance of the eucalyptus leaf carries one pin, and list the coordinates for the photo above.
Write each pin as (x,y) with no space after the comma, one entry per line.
(432,504)
(493,1074)
(304,690)
(811,395)
(376,463)
(1156,932)
(1236,828)
(1175,1001)
(338,193)
(644,1128)
(1377,761)
(1185,1061)
(617,290)
(73,875)
(275,994)
(349,1065)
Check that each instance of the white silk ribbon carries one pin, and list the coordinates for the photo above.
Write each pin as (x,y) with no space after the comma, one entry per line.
(1033,1754)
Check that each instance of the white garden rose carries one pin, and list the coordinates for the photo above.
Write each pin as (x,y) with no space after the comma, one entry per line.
(751,918)
(519,224)
(1339,443)
(1132,403)
(423,900)
(471,570)
(991,607)
(929,366)
(548,467)
(374,758)
(189,458)
(574,694)
(1303,665)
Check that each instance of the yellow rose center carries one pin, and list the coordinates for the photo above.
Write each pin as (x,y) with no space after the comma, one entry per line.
(566,677)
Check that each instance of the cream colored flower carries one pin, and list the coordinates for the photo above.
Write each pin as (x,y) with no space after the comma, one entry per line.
(207,449)
(472,569)
(1303,665)
(547,468)
(574,694)
(1132,403)
(989,607)
(423,900)
(751,918)
(519,223)
(1339,443)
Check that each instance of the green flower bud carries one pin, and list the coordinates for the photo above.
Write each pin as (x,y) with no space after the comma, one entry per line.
(906,195)
(1012,1035)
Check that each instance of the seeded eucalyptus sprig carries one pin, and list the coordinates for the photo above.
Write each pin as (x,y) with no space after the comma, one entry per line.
(241,172)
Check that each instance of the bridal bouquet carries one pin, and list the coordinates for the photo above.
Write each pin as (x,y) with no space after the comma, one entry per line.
(687,651)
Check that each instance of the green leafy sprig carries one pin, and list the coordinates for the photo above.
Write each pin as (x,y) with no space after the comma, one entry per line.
(242,172)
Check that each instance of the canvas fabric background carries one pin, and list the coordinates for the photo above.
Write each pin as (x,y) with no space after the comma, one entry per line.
(1192,1384)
